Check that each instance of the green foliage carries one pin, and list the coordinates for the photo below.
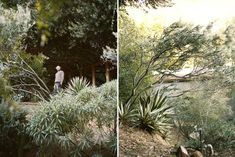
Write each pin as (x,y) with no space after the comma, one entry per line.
(25,74)
(82,20)
(126,113)
(77,124)
(154,58)
(207,109)
(5,92)
(220,131)
(152,115)
(13,139)
(76,84)
(13,3)
(14,26)
(162,54)
(63,27)
(132,54)
(220,134)
(231,102)
(36,62)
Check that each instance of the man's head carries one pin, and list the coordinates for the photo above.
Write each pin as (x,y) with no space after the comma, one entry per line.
(58,68)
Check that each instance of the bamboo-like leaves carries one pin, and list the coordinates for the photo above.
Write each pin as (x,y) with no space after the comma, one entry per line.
(73,120)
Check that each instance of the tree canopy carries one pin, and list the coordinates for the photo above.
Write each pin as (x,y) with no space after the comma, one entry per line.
(73,34)
(154,57)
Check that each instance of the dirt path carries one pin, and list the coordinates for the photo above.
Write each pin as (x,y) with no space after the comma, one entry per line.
(136,143)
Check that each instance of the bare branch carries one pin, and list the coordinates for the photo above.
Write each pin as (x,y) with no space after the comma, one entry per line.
(35,73)
(26,91)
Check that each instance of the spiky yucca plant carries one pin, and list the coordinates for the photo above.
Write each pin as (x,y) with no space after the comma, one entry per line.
(153,114)
(126,113)
(77,84)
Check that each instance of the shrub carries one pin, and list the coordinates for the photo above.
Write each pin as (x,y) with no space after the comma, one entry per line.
(13,139)
(26,74)
(151,114)
(127,113)
(154,114)
(4,90)
(218,133)
(81,124)
(207,110)
(231,102)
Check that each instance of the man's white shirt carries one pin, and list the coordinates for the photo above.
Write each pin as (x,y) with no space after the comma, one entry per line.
(59,76)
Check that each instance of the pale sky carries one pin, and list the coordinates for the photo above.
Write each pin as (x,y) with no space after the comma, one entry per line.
(194,11)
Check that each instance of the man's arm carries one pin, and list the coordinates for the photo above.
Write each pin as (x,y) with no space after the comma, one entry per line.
(62,77)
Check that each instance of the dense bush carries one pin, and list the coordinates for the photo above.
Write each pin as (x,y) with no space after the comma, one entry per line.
(5,92)
(151,114)
(231,102)
(23,71)
(81,124)
(26,75)
(206,110)
(13,139)
(220,134)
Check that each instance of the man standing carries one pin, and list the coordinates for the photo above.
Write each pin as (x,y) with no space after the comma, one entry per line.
(59,78)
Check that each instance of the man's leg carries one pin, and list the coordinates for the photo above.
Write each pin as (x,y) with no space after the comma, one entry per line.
(55,88)
(58,87)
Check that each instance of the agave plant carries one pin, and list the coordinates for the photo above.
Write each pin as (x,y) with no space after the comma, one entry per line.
(154,114)
(77,84)
(126,113)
